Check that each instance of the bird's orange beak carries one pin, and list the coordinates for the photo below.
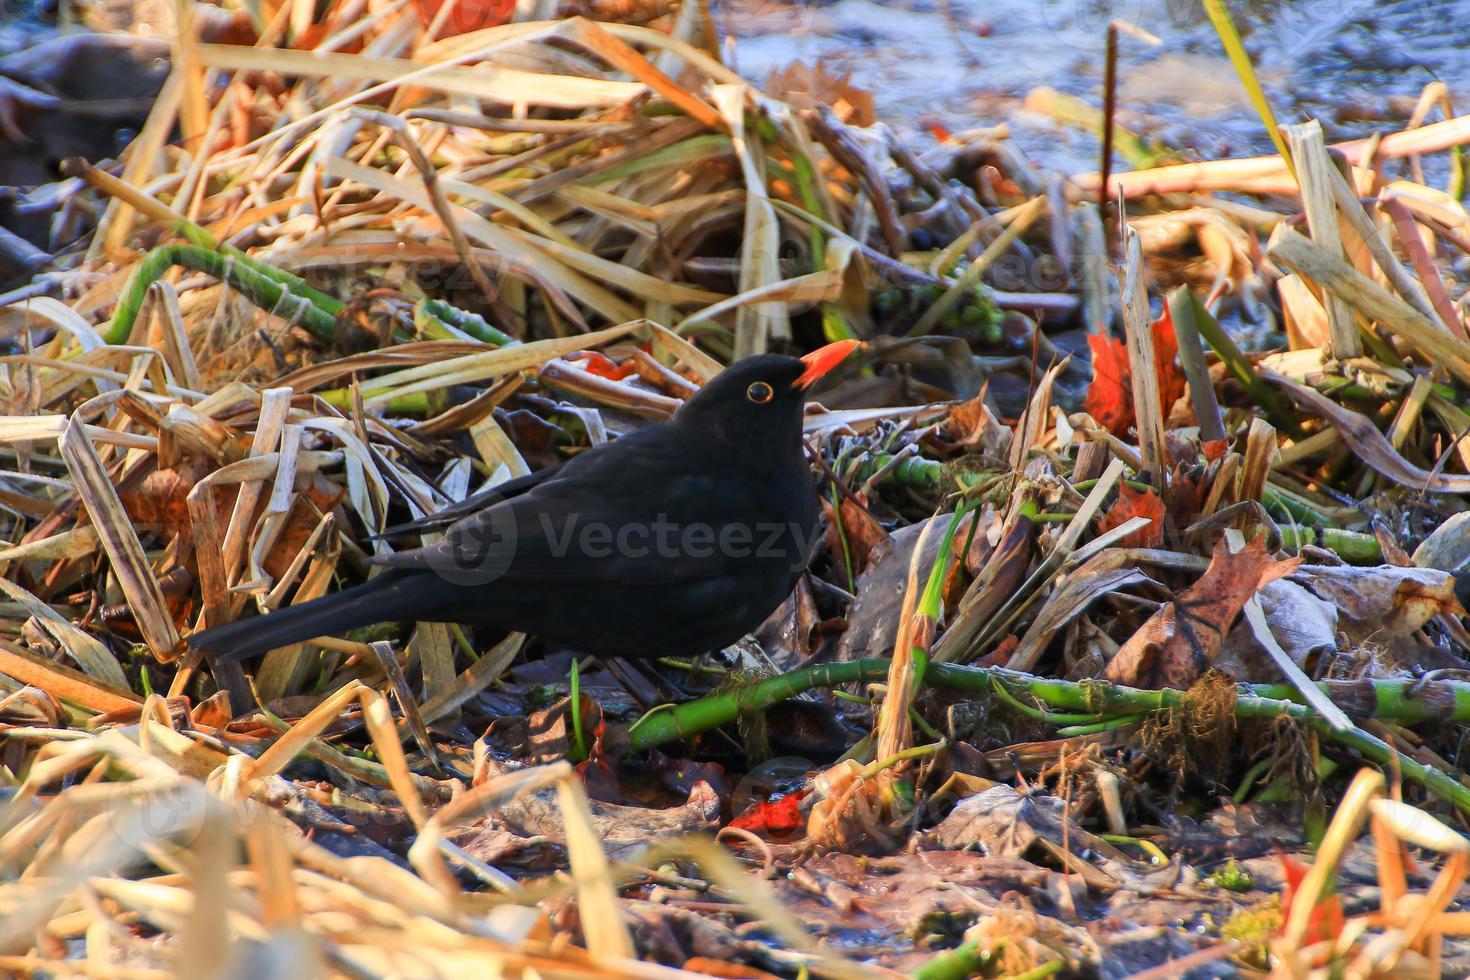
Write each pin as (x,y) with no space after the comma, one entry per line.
(824,359)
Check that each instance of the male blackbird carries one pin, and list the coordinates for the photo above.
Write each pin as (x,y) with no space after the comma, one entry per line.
(670,541)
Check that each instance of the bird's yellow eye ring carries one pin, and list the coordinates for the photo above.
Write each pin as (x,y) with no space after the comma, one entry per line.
(760,392)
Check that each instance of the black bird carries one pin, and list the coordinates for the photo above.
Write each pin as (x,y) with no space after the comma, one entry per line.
(670,541)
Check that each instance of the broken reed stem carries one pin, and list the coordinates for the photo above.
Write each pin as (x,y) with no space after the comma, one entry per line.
(1147,401)
(1427,336)
(1349,207)
(1314,170)
(1398,700)
(1110,104)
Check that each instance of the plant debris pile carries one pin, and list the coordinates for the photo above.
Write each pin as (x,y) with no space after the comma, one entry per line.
(1114,617)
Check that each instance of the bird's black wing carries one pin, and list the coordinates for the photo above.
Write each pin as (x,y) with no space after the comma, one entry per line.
(441,519)
(566,528)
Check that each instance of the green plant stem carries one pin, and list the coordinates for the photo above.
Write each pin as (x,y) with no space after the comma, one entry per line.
(416,404)
(1192,359)
(436,310)
(1098,727)
(579,744)
(1407,701)
(265,286)
(1354,547)
(966,960)
(847,563)
(1298,508)
(913,471)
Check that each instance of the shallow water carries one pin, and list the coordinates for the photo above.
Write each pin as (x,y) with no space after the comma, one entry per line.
(1356,65)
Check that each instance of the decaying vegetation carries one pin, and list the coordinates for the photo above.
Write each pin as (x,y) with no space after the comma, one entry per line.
(1083,645)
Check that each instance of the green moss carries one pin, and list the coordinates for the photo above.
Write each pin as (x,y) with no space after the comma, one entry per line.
(1233,877)
(1254,927)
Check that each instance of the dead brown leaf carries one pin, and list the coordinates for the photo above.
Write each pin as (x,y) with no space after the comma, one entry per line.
(1180,641)
(807,86)
(1386,600)
(972,425)
(1136,503)
(861,529)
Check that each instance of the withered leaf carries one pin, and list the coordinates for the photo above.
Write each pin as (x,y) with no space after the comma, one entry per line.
(860,528)
(1136,503)
(1180,641)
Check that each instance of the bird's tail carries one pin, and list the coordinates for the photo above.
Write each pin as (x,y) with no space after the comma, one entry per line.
(392,596)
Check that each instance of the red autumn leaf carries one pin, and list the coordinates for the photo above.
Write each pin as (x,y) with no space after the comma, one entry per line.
(1172,382)
(1326,919)
(778,818)
(1136,503)
(1110,396)
(605,367)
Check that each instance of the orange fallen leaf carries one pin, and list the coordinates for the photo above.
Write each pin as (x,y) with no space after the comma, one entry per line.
(605,367)
(1136,503)
(1001,655)
(938,131)
(705,966)
(319,497)
(162,497)
(1172,382)
(1180,641)
(1215,449)
(1109,399)
(779,818)
(808,86)
(1110,396)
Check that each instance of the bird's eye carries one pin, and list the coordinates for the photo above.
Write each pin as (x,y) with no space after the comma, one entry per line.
(760,393)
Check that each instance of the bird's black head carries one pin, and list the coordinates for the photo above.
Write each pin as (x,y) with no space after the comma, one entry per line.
(757,401)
